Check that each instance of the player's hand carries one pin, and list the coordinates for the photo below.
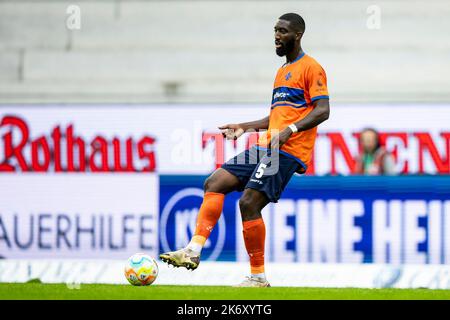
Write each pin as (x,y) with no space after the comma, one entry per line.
(281,138)
(232,131)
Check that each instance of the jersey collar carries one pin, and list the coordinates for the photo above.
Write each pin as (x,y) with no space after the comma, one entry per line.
(296,59)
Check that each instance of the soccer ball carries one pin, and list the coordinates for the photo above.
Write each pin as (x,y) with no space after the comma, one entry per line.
(141,270)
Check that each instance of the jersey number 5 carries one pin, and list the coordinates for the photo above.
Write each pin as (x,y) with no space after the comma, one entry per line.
(260,171)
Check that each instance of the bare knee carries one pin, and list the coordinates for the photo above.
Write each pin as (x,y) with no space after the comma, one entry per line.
(251,205)
(210,184)
(245,203)
(221,181)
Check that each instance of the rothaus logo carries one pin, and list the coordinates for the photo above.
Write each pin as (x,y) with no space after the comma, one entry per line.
(281,95)
(178,220)
(62,149)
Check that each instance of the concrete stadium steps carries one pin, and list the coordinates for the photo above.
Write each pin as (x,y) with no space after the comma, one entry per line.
(244,74)
(166,66)
(198,24)
(10,66)
(136,92)
(218,92)
(26,25)
(200,50)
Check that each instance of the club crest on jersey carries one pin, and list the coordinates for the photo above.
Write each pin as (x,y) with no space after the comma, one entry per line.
(288,76)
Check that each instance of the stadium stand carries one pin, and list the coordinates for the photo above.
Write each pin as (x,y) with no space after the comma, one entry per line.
(201,51)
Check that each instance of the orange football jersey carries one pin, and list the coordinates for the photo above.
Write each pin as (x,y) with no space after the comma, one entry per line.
(297,85)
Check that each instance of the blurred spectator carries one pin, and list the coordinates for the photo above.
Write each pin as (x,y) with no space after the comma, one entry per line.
(374,159)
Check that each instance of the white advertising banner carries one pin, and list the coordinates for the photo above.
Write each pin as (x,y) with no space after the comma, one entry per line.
(78,216)
(184,139)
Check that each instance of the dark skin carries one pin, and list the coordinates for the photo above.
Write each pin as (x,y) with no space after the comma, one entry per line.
(287,43)
(287,40)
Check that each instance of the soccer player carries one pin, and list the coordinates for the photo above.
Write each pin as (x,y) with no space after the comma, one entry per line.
(300,103)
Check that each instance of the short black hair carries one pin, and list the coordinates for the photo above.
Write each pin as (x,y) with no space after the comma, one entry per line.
(296,21)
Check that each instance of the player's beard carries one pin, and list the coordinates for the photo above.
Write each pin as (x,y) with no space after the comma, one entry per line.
(285,48)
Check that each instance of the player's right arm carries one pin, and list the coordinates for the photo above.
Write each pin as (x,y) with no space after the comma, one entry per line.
(234,131)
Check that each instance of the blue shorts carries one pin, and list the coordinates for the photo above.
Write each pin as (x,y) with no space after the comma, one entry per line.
(257,169)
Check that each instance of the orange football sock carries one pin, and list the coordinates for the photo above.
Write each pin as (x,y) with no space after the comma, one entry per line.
(208,216)
(254,238)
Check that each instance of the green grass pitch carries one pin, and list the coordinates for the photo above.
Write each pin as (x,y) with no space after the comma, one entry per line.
(11,291)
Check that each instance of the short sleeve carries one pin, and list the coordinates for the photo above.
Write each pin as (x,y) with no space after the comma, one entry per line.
(317,83)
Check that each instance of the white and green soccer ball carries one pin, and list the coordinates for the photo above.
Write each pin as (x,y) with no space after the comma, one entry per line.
(141,270)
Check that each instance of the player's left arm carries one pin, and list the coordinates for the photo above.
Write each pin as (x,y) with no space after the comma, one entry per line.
(319,114)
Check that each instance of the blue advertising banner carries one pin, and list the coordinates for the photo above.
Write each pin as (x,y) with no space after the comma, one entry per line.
(399,220)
